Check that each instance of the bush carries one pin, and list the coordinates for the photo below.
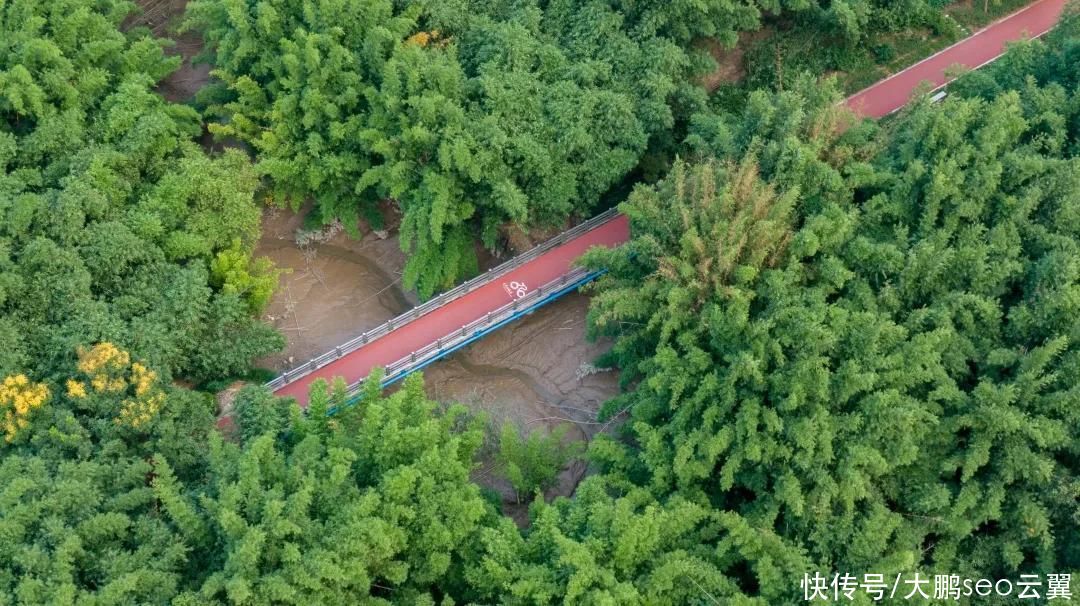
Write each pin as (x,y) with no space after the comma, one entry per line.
(533,462)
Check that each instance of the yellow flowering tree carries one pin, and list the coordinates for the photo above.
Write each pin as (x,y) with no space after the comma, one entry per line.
(108,370)
(18,397)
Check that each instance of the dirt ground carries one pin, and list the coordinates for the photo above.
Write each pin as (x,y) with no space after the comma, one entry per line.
(730,62)
(332,291)
(535,373)
(162,17)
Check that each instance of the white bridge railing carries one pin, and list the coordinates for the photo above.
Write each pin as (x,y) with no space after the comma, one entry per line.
(574,277)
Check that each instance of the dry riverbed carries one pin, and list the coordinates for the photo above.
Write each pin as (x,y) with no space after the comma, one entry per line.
(535,373)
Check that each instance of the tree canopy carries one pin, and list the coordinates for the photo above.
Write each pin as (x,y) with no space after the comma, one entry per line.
(470,115)
(467,115)
(111,213)
(111,495)
(862,340)
(374,506)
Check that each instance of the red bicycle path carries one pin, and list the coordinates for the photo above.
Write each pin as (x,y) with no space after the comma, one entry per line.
(878,100)
(982,47)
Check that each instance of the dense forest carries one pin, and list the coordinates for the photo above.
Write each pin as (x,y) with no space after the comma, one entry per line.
(844,345)
(469,115)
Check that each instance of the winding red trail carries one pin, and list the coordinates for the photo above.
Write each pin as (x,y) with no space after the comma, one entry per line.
(878,100)
(972,52)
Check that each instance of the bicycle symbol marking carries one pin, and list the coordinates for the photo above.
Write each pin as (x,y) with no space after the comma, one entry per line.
(515,289)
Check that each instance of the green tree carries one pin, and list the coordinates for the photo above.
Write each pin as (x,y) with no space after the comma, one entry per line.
(80,521)
(110,212)
(467,117)
(372,506)
(610,544)
(254,280)
(258,412)
(532,462)
(856,341)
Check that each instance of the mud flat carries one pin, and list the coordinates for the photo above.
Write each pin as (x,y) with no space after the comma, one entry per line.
(332,290)
(537,374)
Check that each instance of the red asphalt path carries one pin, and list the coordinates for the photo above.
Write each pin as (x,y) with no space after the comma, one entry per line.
(461,311)
(972,52)
(878,100)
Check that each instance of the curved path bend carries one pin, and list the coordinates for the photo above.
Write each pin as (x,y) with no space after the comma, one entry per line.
(393,345)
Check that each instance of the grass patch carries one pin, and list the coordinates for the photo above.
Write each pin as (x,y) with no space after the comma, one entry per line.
(976,14)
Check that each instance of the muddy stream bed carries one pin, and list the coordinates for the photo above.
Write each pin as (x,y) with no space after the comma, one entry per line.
(535,372)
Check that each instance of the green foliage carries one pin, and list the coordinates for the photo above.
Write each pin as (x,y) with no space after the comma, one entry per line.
(109,217)
(854,37)
(82,519)
(229,339)
(610,545)
(233,271)
(467,116)
(471,115)
(80,523)
(109,212)
(258,413)
(851,347)
(874,357)
(532,463)
(100,505)
(373,503)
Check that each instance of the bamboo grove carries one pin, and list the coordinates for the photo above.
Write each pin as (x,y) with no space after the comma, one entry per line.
(843,345)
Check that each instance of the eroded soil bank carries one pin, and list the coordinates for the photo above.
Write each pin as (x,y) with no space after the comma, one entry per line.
(332,290)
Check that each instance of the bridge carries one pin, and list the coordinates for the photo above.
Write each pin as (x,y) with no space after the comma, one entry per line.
(519,286)
(463,314)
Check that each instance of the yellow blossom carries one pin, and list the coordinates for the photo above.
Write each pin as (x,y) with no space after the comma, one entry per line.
(142,378)
(423,38)
(109,370)
(103,356)
(135,413)
(105,366)
(76,389)
(18,396)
